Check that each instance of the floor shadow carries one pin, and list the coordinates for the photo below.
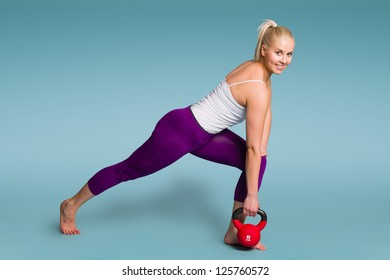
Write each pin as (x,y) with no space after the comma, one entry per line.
(241,248)
(178,201)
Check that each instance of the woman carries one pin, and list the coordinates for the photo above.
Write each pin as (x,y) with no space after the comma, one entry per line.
(202,130)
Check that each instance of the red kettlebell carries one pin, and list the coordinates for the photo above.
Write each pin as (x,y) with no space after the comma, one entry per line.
(249,235)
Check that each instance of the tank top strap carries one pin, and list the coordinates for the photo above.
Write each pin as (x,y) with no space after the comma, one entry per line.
(248,81)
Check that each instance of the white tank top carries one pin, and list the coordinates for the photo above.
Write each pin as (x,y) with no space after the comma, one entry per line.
(219,110)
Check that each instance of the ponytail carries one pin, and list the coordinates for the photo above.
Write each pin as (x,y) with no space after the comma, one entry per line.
(267,31)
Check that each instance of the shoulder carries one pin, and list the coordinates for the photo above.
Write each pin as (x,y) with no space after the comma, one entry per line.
(256,93)
(248,70)
(239,70)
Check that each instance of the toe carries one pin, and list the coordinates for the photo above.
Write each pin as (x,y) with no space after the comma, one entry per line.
(260,247)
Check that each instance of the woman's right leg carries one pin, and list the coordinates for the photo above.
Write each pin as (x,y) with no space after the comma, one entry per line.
(230,149)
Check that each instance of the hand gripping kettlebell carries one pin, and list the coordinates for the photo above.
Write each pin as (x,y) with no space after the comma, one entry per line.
(249,235)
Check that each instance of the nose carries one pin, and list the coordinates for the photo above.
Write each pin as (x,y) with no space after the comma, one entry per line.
(283,59)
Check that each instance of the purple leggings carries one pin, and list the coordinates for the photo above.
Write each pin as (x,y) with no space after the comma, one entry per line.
(176,134)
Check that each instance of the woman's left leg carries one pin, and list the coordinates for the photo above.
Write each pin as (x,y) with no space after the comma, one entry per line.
(176,134)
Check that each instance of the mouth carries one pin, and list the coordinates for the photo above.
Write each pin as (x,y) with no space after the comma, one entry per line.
(280,67)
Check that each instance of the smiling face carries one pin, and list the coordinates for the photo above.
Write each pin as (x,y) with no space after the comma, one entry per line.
(278,55)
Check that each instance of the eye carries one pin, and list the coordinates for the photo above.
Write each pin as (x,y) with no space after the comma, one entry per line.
(278,52)
(289,54)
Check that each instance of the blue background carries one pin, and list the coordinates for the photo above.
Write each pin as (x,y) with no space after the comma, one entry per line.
(82,84)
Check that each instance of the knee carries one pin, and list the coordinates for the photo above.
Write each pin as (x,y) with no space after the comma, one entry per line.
(123,172)
(263,164)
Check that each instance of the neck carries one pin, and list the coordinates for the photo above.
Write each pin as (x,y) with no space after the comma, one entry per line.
(266,74)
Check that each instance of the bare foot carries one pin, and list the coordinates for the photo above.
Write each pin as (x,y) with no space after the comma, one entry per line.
(67,218)
(231,239)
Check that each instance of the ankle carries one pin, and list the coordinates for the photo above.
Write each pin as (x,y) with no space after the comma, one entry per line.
(70,203)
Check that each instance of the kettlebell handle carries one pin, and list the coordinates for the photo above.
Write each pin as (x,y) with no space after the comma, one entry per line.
(240,210)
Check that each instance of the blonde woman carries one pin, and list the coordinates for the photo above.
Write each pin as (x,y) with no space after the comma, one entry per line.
(202,129)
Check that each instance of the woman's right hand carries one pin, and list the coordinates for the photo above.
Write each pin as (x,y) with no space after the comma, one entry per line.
(251,205)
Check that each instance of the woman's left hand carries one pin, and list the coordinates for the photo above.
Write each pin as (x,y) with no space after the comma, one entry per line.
(251,205)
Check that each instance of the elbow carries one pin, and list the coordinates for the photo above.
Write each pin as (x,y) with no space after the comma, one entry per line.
(253,150)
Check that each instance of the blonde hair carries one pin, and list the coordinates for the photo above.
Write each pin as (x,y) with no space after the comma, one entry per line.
(267,32)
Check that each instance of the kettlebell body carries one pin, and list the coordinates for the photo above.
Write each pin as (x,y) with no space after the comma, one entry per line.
(249,235)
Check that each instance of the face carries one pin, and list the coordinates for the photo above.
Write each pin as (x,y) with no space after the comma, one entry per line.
(279,55)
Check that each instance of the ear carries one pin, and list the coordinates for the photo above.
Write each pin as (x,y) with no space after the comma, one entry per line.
(263,50)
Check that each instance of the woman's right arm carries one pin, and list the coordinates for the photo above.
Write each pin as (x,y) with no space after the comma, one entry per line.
(257,104)
(266,132)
